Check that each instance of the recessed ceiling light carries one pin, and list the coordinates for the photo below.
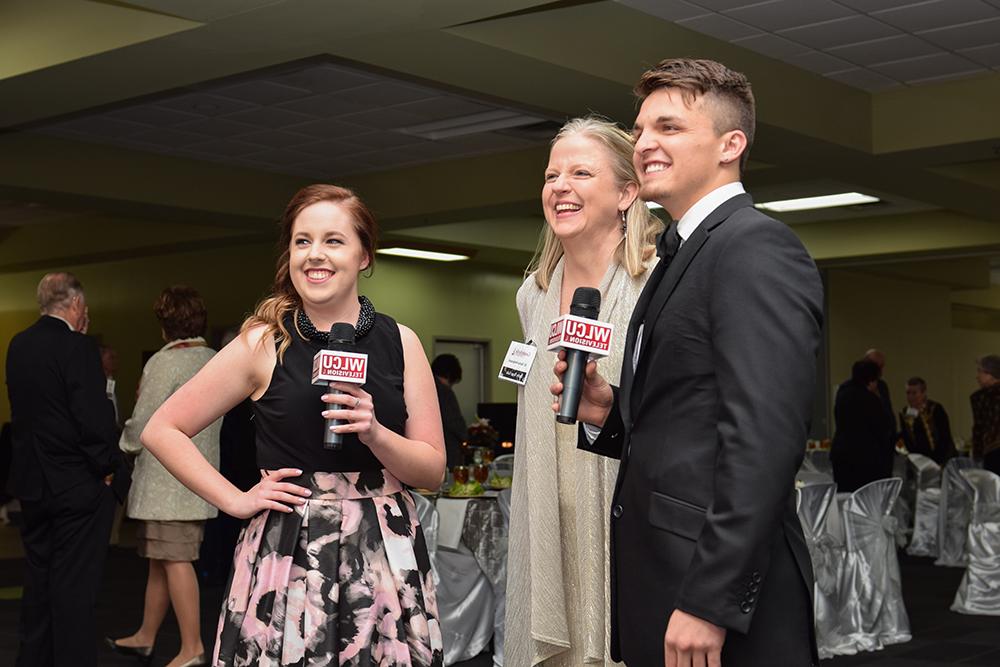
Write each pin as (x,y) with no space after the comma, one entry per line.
(415,253)
(824,201)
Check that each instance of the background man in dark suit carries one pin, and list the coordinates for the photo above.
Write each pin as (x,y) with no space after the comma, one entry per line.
(708,559)
(877,357)
(66,470)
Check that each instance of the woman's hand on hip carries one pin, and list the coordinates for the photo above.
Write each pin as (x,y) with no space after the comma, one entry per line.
(270,493)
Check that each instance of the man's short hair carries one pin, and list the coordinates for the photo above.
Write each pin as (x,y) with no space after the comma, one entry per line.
(990,364)
(56,290)
(917,382)
(447,367)
(181,312)
(726,90)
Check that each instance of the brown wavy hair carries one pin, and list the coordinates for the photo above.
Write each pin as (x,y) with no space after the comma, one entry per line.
(284,299)
(181,312)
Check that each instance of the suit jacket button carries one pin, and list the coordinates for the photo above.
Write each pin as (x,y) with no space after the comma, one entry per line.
(753,587)
(745,607)
(617,511)
(756,577)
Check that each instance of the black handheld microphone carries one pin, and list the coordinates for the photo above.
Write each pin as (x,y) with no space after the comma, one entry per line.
(587,304)
(341,339)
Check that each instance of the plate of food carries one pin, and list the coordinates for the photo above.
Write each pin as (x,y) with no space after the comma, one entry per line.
(499,482)
(471,489)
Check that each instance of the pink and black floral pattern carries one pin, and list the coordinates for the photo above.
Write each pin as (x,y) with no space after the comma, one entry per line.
(343,580)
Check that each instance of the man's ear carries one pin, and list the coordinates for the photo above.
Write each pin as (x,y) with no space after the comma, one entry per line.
(734,143)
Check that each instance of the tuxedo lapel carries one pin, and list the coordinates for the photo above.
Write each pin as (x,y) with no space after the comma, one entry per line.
(660,290)
(638,314)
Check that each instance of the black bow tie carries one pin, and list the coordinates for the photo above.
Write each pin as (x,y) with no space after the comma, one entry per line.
(667,243)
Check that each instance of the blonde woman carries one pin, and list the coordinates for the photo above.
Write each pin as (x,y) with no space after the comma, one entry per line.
(598,234)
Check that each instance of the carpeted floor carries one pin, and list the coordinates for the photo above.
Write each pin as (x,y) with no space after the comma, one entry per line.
(940,637)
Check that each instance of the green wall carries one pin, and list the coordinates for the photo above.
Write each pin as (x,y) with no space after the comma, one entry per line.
(435,300)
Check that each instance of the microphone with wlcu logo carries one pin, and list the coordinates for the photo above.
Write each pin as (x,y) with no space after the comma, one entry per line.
(581,335)
(338,363)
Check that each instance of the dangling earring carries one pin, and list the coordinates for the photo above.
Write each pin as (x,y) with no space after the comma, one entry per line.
(624,223)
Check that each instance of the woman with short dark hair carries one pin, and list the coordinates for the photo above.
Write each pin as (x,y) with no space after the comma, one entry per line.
(171,518)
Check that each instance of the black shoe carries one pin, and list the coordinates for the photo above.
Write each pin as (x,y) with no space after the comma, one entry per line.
(144,653)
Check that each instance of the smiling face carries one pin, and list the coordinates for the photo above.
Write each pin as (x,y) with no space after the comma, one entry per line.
(679,155)
(582,198)
(325,254)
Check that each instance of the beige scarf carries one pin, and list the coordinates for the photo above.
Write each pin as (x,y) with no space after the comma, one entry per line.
(553,483)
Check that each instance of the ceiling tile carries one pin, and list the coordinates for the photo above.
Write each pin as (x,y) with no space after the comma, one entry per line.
(325,79)
(785,14)
(443,107)
(928,67)
(937,14)
(965,36)
(486,141)
(223,148)
(386,139)
(875,5)
(204,104)
(276,138)
(104,127)
(840,32)
(280,156)
(384,119)
(821,63)
(326,104)
(264,92)
(720,26)
(270,117)
(169,138)
(771,45)
(865,79)
(885,50)
(984,55)
(723,5)
(218,127)
(387,93)
(335,147)
(327,128)
(670,10)
(150,114)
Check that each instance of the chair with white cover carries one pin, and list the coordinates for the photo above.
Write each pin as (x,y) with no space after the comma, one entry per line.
(827,555)
(979,591)
(927,474)
(872,611)
(464,595)
(955,512)
(503,502)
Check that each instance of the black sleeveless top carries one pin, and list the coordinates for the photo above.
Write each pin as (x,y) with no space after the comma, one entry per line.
(288,418)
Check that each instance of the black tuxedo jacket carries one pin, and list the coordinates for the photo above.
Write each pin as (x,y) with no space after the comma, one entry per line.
(64,431)
(711,429)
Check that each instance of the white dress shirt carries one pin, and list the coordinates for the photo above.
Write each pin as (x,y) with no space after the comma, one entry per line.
(685,227)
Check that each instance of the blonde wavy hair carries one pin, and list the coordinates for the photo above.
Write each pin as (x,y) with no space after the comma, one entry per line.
(271,312)
(642,227)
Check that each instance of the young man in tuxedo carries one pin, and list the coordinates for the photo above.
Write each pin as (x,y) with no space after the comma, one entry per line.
(67,471)
(709,564)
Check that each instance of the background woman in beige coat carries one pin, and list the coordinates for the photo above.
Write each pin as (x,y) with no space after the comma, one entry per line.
(599,234)
(172,518)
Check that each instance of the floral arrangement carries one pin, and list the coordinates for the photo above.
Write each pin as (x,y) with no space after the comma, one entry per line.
(481,434)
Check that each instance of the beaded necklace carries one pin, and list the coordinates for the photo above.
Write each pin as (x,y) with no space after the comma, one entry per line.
(366,320)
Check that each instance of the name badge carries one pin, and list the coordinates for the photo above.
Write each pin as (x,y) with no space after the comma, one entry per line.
(517,363)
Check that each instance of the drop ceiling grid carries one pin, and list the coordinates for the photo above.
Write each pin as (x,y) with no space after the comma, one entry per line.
(869,44)
(317,121)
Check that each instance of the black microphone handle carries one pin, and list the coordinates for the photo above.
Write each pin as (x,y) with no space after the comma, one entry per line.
(569,401)
(333,441)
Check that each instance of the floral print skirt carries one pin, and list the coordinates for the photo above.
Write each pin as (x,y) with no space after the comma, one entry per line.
(343,580)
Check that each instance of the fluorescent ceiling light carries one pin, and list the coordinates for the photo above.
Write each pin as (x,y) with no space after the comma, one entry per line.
(652,205)
(824,201)
(423,254)
(487,121)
